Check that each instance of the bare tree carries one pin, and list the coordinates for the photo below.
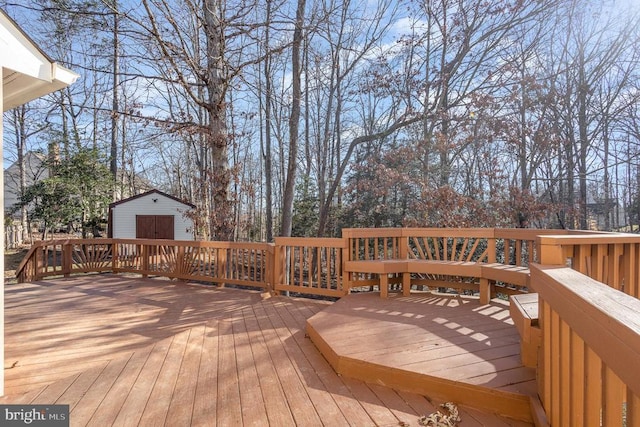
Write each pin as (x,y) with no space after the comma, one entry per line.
(294,121)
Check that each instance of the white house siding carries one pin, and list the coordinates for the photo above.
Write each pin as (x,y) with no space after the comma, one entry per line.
(124,216)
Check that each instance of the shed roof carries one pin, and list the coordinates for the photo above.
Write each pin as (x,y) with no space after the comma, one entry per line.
(137,196)
(27,72)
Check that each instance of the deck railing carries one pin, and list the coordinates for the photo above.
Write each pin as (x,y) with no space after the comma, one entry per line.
(316,265)
(309,266)
(247,264)
(513,247)
(589,372)
(590,332)
(613,259)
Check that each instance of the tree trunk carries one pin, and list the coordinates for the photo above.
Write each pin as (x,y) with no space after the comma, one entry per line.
(584,144)
(113,159)
(21,134)
(607,190)
(217,139)
(294,119)
(268,164)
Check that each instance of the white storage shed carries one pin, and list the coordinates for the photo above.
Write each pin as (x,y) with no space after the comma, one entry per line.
(151,215)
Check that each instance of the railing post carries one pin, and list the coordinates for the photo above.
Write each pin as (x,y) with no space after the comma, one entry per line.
(404,244)
(114,256)
(179,268)
(550,253)
(221,265)
(67,248)
(404,254)
(145,260)
(277,266)
(39,263)
(346,256)
(629,270)
(271,266)
(344,276)
(491,252)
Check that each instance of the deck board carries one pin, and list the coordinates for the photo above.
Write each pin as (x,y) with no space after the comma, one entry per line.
(275,402)
(138,395)
(126,351)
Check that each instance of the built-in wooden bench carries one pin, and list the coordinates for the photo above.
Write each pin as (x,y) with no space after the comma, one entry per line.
(524,313)
(513,274)
(487,273)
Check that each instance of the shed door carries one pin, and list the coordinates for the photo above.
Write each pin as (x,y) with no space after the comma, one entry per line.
(154,227)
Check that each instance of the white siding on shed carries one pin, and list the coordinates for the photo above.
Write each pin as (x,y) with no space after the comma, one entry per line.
(124,216)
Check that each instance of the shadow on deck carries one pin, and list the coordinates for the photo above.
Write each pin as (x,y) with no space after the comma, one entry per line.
(443,346)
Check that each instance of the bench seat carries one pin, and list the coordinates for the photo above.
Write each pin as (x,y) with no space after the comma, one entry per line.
(382,266)
(524,313)
(487,273)
(445,268)
(506,273)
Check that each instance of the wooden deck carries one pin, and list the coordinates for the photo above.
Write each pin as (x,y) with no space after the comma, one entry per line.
(440,345)
(126,351)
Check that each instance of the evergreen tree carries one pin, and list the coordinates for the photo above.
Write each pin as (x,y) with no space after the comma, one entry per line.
(77,193)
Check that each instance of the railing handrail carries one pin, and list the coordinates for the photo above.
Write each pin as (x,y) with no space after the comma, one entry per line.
(371,232)
(26,259)
(525,233)
(307,241)
(570,240)
(478,232)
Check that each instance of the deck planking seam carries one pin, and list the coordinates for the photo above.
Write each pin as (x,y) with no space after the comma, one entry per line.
(324,405)
(115,396)
(298,399)
(142,384)
(76,390)
(278,412)
(206,391)
(351,409)
(298,335)
(229,410)
(58,391)
(182,400)
(157,406)
(94,395)
(251,398)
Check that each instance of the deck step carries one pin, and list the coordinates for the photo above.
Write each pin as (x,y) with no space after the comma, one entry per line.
(524,312)
(440,346)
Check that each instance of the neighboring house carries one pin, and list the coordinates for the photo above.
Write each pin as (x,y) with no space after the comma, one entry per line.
(35,170)
(598,210)
(151,215)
